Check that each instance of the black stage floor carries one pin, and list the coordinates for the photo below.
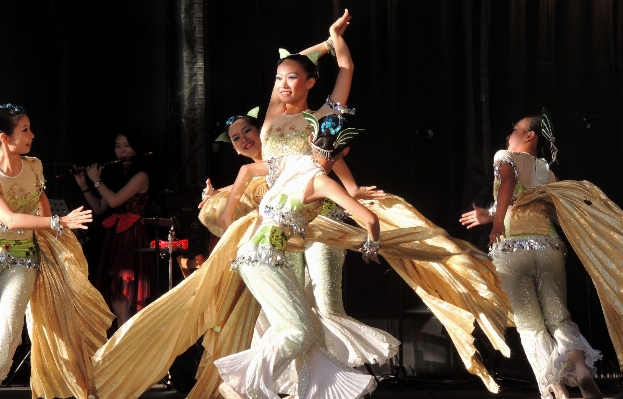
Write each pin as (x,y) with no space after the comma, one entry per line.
(414,389)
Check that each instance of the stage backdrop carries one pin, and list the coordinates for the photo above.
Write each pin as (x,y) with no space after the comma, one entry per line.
(466,70)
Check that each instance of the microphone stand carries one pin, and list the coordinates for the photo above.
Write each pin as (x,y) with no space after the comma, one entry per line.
(153,202)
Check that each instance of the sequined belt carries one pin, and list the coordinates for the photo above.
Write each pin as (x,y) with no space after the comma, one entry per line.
(267,246)
(526,244)
(271,235)
(18,253)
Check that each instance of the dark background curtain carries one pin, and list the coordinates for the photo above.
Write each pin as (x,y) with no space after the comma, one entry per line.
(467,70)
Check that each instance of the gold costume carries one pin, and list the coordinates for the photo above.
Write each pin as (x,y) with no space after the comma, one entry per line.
(459,289)
(67,320)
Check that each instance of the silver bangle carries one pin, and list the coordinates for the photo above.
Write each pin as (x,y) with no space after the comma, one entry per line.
(329,45)
(492,211)
(55,224)
(370,248)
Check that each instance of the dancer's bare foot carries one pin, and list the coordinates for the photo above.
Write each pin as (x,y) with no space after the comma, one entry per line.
(589,389)
(585,380)
(560,391)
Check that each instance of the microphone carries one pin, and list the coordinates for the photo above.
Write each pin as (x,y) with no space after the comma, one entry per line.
(426,134)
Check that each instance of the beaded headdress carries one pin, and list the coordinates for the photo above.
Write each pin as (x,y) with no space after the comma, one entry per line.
(547,129)
(332,126)
(225,136)
(13,109)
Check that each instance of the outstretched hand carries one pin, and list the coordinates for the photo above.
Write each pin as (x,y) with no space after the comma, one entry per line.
(476,217)
(339,27)
(369,193)
(77,218)
(206,193)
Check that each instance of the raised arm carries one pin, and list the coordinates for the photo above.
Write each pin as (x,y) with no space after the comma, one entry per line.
(247,172)
(341,90)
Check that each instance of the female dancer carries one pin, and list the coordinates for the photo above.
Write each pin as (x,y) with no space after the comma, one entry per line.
(125,278)
(299,187)
(61,342)
(529,257)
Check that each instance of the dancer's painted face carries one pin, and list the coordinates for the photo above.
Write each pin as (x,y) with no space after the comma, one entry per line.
(291,82)
(246,139)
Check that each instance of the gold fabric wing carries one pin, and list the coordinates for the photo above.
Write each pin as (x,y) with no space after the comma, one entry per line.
(453,278)
(593,224)
(67,320)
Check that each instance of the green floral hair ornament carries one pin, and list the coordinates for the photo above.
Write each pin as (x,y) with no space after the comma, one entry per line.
(313,56)
(225,136)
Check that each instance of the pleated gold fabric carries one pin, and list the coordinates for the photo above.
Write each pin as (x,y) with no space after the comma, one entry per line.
(142,350)
(593,224)
(67,320)
(212,299)
(459,289)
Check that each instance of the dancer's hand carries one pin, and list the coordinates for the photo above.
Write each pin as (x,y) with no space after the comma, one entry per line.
(369,193)
(339,27)
(206,193)
(77,218)
(225,221)
(476,217)
(497,233)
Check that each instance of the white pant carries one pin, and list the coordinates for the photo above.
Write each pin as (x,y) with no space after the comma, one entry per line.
(16,285)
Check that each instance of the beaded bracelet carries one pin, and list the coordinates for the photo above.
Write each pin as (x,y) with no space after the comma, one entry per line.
(55,224)
(329,45)
(369,249)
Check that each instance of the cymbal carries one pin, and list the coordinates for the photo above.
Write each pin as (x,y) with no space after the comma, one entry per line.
(161,222)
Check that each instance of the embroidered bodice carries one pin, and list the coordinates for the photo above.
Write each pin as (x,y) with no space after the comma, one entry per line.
(282,211)
(529,172)
(22,193)
(289,134)
(283,206)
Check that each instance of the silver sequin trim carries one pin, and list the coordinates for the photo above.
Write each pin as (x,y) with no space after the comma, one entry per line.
(338,214)
(496,175)
(4,228)
(8,261)
(293,222)
(273,171)
(526,244)
(263,253)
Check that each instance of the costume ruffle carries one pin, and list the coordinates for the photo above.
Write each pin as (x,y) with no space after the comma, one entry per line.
(593,224)
(67,320)
(327,378)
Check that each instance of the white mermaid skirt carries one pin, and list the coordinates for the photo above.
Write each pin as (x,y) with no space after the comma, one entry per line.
(294,335)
